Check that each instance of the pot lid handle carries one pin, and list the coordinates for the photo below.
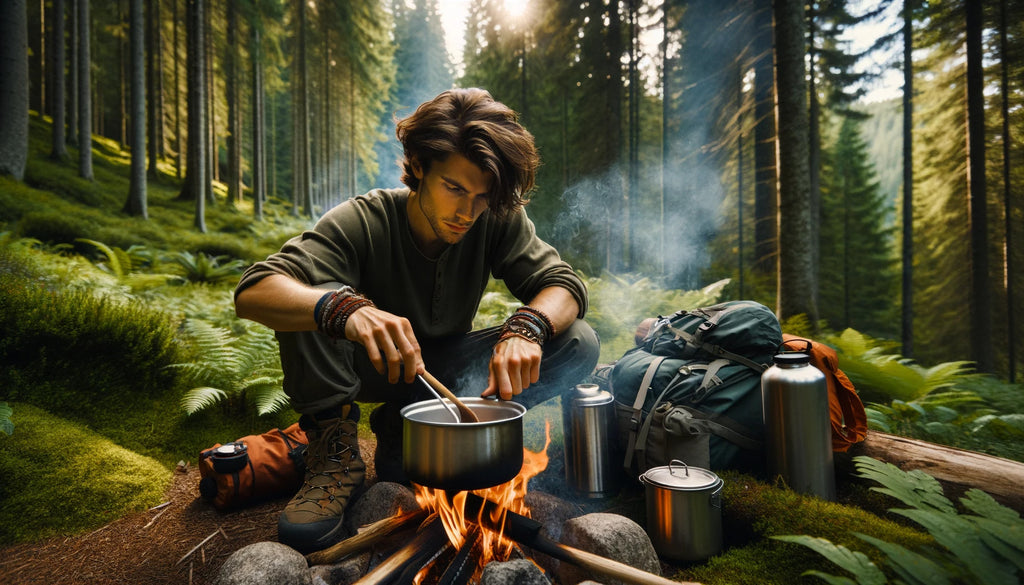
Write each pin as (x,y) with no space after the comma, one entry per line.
(686,467)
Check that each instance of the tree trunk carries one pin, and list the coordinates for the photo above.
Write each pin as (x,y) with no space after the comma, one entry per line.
(907,255)
(981,286)
(259,161)
(72,138)
(157,95)
(123,69)
(195,185)
(58,148)
(956,469)
(84,94)
(233,88)
(151,74)
(814,153)
(302,170)
(1008,268)
(136,204)
(765,180)
(795,276)
(178,145)
(13,89)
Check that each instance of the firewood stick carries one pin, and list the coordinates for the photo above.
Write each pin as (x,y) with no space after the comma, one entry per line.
(424,545)
(198,546)
(611,568)
(367,537)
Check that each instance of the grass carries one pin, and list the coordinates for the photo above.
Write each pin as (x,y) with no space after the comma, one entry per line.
(58,477)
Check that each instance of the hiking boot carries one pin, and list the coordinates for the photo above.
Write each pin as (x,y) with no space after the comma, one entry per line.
(386,424)
(334,471)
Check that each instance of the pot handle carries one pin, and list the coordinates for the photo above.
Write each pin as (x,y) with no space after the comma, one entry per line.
(716,497)
(686,467)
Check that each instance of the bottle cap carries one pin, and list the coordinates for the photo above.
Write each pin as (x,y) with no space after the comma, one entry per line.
(792,358)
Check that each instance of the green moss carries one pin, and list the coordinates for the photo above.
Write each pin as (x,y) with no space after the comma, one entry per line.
(57,478)
(754,511)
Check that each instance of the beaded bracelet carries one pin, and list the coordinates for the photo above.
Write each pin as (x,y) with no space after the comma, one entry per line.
(332,311)
(531,311)
(531,325)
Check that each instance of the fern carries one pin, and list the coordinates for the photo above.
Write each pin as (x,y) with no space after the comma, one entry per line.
(205,268)
(880,377)
(234,369)
(985,547)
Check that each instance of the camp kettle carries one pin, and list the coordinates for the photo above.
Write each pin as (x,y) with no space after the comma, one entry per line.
(798,431)
(684,511)
(588,426)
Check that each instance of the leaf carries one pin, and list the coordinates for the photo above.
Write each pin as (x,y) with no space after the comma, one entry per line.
(962,538)
(197,399)
(1006,541)
(913,567)
(914,488)
(830,579)
(6,426)
(866,572)
(986,506)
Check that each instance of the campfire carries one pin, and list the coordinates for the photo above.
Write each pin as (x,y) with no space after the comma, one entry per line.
(454,535)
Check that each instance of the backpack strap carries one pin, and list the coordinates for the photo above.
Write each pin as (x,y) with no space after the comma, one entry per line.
(638,405)
(716,350)
(296,451)
(722,426)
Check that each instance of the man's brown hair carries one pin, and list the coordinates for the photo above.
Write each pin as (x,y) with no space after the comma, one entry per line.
(473,124)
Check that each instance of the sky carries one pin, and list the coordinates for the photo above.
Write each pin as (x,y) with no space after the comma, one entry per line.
(454,13)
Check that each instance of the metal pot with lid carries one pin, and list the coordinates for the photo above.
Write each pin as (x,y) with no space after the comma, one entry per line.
(684,511)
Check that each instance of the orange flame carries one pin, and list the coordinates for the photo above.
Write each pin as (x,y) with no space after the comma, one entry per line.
(508,496)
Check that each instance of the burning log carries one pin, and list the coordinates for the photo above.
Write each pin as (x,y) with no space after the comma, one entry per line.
(956,469)
(367,537)
(429,542)
(526,532)
(462,567)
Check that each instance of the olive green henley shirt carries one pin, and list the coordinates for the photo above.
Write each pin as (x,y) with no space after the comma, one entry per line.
(367,244)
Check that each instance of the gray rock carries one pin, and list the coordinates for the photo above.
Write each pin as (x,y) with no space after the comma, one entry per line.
(552,512)
(611,536)
(344,573)
(264,562)
(382,500)
(517,572)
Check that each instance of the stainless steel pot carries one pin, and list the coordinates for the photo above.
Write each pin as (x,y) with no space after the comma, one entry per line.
(684,511)
(440,453)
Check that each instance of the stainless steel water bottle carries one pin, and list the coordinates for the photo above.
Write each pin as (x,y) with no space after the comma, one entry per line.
(798,431)
(588,427)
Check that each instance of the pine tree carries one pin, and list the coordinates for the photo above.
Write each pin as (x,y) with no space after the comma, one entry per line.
(858,279)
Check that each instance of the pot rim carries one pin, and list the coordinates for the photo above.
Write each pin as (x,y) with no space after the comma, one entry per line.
(485,408)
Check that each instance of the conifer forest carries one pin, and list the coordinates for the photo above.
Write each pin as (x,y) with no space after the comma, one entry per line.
(684,141)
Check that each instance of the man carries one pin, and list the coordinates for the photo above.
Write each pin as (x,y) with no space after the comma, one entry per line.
(386,286)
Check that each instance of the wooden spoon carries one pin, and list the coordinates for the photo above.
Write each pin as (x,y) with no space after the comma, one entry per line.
(465,412)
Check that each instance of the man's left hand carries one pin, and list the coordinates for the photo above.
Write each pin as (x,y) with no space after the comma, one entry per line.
(515,364)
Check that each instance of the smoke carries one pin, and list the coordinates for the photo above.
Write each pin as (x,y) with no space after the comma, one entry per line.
(661,234)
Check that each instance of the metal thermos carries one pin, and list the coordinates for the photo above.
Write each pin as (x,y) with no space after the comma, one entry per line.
(798,431)
(588,426)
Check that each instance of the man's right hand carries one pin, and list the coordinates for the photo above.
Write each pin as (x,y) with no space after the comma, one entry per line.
(389,341)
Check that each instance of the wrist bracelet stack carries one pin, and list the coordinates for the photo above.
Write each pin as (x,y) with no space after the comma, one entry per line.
(334,308)
(529,324)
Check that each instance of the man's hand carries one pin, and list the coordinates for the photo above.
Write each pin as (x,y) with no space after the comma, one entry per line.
(515,364)
(389,341)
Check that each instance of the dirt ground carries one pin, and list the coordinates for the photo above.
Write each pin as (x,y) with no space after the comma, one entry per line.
(183,542)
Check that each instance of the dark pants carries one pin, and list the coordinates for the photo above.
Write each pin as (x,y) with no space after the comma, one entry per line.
(321,373)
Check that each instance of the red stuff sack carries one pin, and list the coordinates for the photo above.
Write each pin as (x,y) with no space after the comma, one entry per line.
(253,468)
(849,422)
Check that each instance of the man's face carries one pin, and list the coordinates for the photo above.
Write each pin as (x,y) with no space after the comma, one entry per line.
(450,198)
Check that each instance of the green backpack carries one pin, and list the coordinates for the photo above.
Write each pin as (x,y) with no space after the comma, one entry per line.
(691,389)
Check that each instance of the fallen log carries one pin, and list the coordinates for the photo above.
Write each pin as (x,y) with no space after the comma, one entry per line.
(957,470)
